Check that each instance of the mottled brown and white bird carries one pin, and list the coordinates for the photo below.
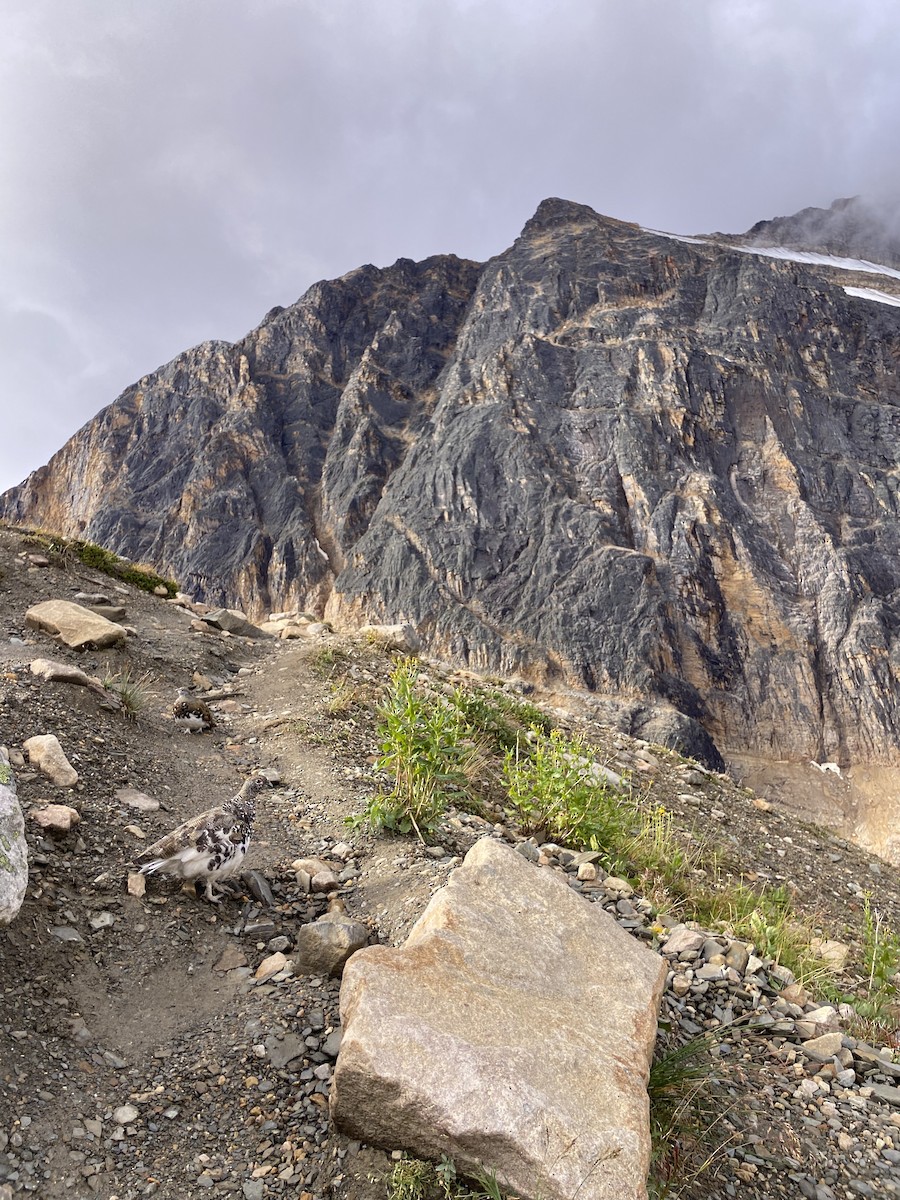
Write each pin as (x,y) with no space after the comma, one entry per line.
(190,714)
(209,846)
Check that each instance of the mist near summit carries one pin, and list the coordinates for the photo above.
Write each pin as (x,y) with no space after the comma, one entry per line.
(172,171)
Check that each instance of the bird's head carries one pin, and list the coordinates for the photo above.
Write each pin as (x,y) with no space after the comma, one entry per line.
(244,804)
(253,786)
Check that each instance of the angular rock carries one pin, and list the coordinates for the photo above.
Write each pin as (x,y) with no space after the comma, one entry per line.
(315,875)
(112,612)
(682,940)
(232,622)
(230,958)
(140,801)
(869,1054)
(46,753)
(512,1031)
(281,1051)
(137,884)
(831,952)
(737,956)
(55,818)
(823,1047)
(402,638)
(13,846)
(818,1021)
(54,672)
(270,966)
(75,625)
(324,946)
(887,1093)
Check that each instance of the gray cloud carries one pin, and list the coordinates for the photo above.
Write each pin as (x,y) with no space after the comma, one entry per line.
(169,171)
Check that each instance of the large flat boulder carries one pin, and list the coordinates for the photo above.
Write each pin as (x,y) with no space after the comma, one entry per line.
(13,847)
(74,624)
(232,621)
(512,1031)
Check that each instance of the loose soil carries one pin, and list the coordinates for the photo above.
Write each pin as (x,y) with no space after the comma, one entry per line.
(139,1007)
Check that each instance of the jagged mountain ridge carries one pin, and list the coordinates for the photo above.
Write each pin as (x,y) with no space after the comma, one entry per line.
(852,227)
(658,468)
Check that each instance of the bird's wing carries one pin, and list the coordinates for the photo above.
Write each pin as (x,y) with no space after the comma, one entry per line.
(194,832)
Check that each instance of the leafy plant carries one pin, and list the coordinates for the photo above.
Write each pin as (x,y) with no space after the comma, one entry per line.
(425,746)
(557,790)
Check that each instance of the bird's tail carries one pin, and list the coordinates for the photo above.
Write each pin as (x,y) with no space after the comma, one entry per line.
(150,867)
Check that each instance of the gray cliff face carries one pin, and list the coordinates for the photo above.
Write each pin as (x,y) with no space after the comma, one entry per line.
(660,470)
(850,228)
(245,471)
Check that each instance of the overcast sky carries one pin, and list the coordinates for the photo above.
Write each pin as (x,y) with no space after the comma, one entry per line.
(171,169)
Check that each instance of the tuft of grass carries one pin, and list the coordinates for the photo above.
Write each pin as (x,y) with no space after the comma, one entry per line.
(767,918)
(345,699)
(877,1001)
(881,963)
(413,1179)
(99,559)
(328,661)
(131,692)
(501,720)
(682,1114)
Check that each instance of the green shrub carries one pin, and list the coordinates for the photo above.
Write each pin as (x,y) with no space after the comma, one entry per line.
(99,559)
(425,744)
(556,791)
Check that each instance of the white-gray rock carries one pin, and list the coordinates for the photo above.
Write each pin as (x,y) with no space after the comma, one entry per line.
(46,753)
(402,638)
(13,847)
(682,940)
(54,672)
(233,622)
(512,1031)
(324,946)
(75,625)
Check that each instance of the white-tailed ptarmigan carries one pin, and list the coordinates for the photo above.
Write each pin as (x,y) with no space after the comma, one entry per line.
(190,714)
(209,846)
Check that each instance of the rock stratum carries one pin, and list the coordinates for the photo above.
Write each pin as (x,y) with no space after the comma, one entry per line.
(661,469)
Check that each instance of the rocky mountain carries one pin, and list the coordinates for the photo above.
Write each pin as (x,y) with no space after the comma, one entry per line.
(663,469)
(850,228)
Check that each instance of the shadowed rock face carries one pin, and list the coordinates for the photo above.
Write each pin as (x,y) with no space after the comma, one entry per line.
(607,458)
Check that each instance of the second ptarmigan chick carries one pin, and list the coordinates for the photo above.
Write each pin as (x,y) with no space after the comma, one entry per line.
(192,715)
(210,846)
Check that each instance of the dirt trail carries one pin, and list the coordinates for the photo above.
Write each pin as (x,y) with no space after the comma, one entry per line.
(121,1009)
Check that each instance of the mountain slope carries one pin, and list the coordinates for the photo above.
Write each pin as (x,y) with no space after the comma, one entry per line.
(663,469)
